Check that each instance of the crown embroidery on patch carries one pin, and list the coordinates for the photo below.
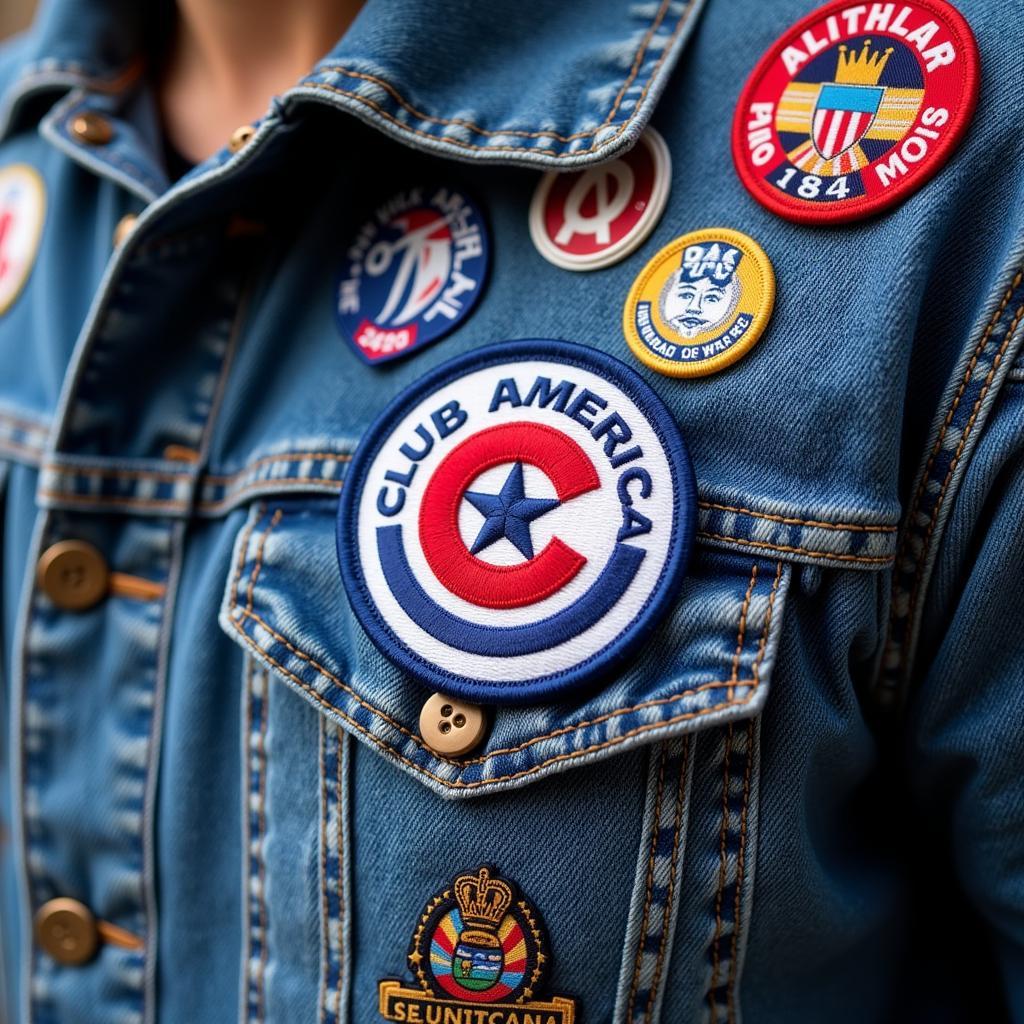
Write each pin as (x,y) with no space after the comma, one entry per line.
(863,68)
(855,107)
(479,953)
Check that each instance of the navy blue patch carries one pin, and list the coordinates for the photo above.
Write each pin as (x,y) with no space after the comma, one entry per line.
(412,272)
(517,521)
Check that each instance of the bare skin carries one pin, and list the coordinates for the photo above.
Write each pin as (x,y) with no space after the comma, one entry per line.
(228,59)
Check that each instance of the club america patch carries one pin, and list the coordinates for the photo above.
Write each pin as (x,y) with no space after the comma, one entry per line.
(22,209)
(517,521)
(855,108)
(412,273)
(700,304)
(594,218)
(479,955)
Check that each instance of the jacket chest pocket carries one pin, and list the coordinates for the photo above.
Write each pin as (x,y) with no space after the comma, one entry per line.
(616,833)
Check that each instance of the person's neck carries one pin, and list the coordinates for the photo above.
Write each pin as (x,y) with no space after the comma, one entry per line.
(228,58)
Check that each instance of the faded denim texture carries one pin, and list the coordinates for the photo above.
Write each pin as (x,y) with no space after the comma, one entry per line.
(802,801)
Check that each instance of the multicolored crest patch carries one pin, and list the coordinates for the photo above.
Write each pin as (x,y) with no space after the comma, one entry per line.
(855,108)
(516,521)
(594,218)
(479,953)
(413,272)
(22,209)
(700,304)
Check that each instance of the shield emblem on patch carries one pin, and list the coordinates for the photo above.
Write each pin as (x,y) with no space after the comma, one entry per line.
(842,116)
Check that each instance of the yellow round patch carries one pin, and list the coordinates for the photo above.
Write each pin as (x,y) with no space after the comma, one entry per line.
(22,209)
(700,304)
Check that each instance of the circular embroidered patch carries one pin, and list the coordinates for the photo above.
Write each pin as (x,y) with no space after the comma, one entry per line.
(479,941)
(517,521)
(412,273)
(22,208)
(855,108)
(594,218)
(700,304)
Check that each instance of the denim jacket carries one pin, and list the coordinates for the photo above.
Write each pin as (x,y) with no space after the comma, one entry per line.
(800,799)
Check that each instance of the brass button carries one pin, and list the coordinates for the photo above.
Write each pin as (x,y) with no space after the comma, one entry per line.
(240,137)
(73,575)
(93,129)
(451,727)
(67,931)
(124,228)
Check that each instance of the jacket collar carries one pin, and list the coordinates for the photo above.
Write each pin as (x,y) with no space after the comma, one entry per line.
(546,83)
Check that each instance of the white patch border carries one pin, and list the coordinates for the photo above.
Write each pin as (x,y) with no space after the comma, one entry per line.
(35,180)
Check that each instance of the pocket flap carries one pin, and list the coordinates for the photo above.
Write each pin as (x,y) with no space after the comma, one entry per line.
(709,662)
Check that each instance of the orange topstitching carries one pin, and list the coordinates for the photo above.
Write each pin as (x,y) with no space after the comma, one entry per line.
(612,741)
(491,132)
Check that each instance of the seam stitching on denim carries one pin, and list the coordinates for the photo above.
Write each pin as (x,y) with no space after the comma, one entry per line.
(740,636)
(250,614)
(722,863)
(765,629)
(15,448)
(490,781)
(667,909)
(247,836)
(458,784)
(795,521)
(207,479)
(866,559)
(340,854)
(919,493)
(325,920)
(21,423)
(322,670)
(954,462)
(652,841)
(637,63)
(262,819)
(380,109)
(730,991)
(258,566)
(243,552)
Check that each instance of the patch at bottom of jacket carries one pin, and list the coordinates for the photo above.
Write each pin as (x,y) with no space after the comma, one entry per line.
(479,953)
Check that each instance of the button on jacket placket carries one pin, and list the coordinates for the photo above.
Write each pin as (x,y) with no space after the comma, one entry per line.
(59,655)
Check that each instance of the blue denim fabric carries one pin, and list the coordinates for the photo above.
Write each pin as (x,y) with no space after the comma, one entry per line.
(801,801)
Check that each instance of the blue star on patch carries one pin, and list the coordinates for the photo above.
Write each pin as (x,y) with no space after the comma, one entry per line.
(508,514)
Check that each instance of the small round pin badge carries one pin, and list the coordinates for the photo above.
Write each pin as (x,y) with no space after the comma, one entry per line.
(22,209)
(413,272)
(854,108)
(700,304)
(591,219)
(517,521)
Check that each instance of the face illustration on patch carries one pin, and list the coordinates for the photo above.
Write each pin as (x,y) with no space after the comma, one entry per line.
(700,303)
(695,306)
(704,292)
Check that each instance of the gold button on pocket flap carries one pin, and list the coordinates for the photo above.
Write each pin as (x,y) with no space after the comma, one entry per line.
(710,662)
(452,727)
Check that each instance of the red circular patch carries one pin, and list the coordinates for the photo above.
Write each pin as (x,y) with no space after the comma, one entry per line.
(593,218)
(855,108)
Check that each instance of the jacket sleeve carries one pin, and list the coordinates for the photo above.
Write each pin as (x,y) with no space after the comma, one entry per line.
(966,710)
